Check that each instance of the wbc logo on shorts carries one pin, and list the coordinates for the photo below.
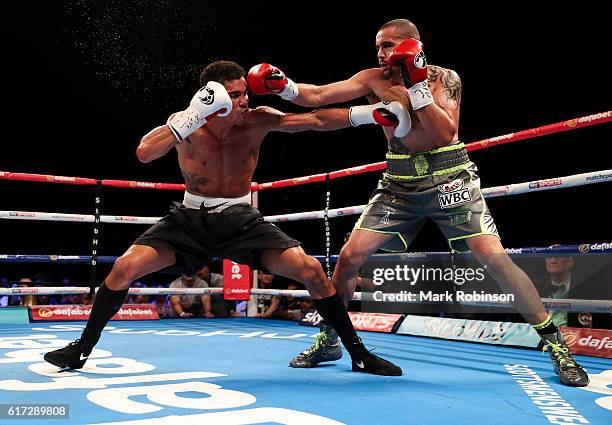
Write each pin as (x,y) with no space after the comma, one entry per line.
(453,194)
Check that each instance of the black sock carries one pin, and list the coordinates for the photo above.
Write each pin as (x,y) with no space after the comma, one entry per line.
(334,312)
(107,303)
(547,327)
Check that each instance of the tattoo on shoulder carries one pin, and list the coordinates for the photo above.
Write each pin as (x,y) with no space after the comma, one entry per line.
(433,73)
(450,81)
(396,146)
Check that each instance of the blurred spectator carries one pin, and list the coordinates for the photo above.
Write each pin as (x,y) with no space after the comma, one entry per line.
(42,280)
(267,304)
(306,305)
(290,307)
(187,306)
(138,298)
(25,300)
(240,309)
(219,306)
(282,307)
(162,303)
(214,280)
(559,271)
(76,299)
(4,299)
(68,298)
(559,284)
(273,306)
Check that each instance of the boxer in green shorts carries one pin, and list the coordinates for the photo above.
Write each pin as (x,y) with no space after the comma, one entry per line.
(441,185)
(429,176)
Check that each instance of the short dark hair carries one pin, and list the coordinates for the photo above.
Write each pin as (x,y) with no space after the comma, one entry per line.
(221,71)
(405,28)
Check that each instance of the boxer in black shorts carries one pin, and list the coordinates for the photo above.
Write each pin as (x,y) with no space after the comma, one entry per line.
(217,140)
(429,176)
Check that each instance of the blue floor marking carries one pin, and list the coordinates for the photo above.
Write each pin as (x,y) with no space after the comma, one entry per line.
(444,382)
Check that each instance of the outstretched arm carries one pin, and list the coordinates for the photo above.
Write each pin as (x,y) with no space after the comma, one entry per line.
(390,114)
(267,79)
(318,120)
(342,91)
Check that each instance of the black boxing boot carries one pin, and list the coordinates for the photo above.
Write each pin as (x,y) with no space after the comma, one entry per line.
(569,371)
(74,355)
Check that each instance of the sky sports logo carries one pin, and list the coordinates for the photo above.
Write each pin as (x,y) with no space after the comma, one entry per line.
(545,183)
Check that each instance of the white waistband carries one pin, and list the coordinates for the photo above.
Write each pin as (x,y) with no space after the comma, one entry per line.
(195,201)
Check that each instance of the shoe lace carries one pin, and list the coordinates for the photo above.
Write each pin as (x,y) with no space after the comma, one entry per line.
(561,353)
(319,340)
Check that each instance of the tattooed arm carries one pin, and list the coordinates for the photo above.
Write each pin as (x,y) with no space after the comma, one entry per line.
(441,118)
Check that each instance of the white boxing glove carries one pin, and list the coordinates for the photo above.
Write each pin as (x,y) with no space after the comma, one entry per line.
(382,113)
(209,102)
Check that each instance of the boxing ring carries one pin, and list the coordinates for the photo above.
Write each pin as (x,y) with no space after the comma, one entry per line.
(235,370)
(193,372)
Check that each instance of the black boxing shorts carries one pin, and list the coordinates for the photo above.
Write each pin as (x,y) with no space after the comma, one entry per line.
(196,235)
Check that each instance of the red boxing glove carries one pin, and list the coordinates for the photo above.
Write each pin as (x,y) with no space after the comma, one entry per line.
(267,79)
(409,56)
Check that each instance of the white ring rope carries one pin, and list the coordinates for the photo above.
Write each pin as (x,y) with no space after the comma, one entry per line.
(549,303)
(491,192)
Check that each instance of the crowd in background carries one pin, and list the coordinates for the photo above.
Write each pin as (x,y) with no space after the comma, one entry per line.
(172,306)
(560,280)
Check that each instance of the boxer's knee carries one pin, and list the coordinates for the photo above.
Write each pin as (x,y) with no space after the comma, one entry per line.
(124,271)
(350,260)
(312,273)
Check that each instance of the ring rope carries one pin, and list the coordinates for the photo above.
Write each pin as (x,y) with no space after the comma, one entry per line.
(592,248)
(575,180)
(564,304)
(562,126)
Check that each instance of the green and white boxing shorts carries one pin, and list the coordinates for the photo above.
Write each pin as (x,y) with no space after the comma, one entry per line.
(441,185)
